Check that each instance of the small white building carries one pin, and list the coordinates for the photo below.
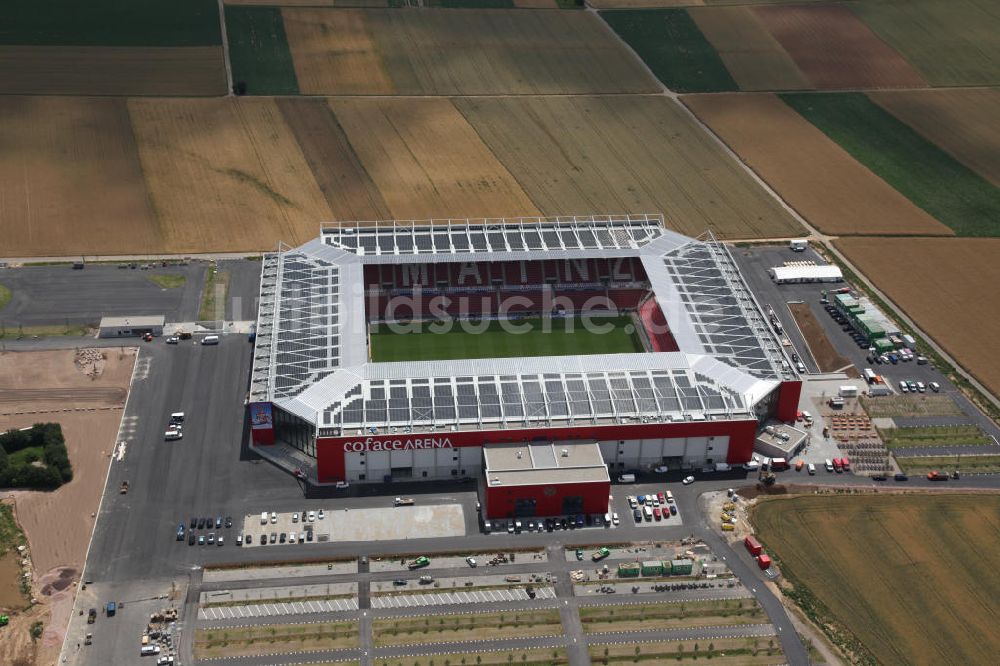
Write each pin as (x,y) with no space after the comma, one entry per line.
(130,327)
(789,274)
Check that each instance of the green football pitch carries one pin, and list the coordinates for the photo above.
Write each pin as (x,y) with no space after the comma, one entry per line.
(565,337)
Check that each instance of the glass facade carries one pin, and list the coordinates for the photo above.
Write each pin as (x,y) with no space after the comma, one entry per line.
(290,429)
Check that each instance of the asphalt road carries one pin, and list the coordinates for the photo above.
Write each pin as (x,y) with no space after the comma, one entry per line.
(59,295)
(244,289)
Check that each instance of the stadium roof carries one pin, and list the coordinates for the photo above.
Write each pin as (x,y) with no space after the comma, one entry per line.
(310,356)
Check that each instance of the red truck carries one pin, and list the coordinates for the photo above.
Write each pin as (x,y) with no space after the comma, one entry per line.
(838,465)
(764,561)
(753,546)
(846,463)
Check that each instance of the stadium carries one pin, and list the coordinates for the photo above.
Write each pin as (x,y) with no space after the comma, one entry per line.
(540,357)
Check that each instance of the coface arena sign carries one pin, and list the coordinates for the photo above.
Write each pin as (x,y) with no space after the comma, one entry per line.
(372,444)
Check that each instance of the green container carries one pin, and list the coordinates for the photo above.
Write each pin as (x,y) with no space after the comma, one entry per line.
(883,345)
(667,568)
(681,567)
(629,570)
(652,568)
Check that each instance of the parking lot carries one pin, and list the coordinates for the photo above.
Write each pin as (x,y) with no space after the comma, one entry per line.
(460,597)
(271,610)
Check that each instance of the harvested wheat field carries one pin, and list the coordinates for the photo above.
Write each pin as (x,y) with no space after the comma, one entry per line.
(636,155)
(835,49)
(962,122)
(108,70)
(449,52)
(225,174)
(948,286)
(907,579)
(814,175)
(427,161)
(95,202)
(752,55)
(334,52)
(349,190)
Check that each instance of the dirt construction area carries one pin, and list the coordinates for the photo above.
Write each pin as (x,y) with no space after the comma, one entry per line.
(447,52)
(884,568)
(822,349)
(58,524)
(948,287)
(818,178)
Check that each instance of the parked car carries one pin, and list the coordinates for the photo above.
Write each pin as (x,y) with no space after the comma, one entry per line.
(229,521)
(211,538)
(263,539)
(688,480)
(901,477)
(172,340)
(201,539)
(657,514)
(614,519)
(673,509)
(471,561)
(637,514)
(191,538)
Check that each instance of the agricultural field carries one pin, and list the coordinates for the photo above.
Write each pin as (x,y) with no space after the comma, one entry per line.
(934,436)
(638,154)
(120,70)
(225,173)
(670,43)
(928,176)
(111,48)
(347,187)
(793,157)
(961,122)
(954,43)
(836,50)
(427,161)
(434,52)
(95,203)
(752,55)
(947,286)
(258,51)
(534,337)
(884,568)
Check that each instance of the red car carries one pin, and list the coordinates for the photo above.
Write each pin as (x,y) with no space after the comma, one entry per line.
(662,498)
(657,514)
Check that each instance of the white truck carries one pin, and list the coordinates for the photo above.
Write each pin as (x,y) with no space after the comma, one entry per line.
(626,478)
(721,467)
(403,501)
(798,245)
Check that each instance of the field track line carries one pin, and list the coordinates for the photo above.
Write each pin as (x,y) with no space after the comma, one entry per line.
(225,49)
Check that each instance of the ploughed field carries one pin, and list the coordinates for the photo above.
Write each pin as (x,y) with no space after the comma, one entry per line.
(904,578)
(494,339)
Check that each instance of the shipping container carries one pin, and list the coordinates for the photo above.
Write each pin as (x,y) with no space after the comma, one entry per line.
(629,569)
(764,561)
(753,545)
(681,567)
(848,391)
(652,568)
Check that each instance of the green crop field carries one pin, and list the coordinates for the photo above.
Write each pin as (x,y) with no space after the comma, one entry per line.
(920,465)
(953,43)
(922,172)
(110,23)
(258,50)
(669,41)
(564,337)
(900,579)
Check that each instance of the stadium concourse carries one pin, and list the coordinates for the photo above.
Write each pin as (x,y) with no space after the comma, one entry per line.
(710,373)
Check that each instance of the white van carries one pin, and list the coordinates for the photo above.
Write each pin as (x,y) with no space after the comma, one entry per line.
(828,464)
(147,650)
(177,416)
(811,469)
(210,340)
(263,517)
(647,513)
(172,435)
